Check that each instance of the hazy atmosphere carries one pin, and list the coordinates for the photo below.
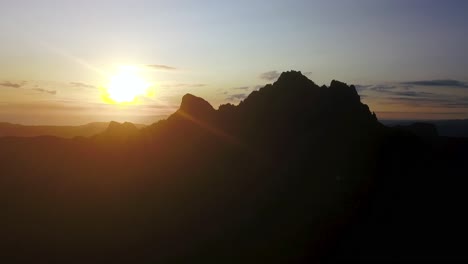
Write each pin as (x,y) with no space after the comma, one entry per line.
(233,132)
(407,59)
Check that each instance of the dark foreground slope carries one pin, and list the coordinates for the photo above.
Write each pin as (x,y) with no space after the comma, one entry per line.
(295,173)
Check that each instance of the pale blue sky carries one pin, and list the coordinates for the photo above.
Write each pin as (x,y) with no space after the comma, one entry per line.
(216,46)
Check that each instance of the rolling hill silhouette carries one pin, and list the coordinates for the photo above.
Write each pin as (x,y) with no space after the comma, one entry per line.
(88,130)
(295,173)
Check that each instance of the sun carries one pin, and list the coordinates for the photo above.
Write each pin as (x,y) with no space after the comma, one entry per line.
(126,87)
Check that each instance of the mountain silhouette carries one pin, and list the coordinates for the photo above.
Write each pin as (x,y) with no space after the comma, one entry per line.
(195,106)
(295,173)
(118,131)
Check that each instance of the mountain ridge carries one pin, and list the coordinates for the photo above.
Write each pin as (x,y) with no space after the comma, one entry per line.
(294,173)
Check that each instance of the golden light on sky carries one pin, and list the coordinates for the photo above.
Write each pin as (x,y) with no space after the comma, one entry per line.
(126,86)
(405,64)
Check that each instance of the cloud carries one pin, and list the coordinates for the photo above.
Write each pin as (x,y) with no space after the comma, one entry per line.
(35,107)
(234,97)
(161,67)
(45,91)
(435,101)
(241,88)
(383,87)
(20,86)
(180,85)
(424,99)
(270,75)
(428,113)
(258,87)
(246,88)
(411,94)
(11,85)
(362,87)
(82,85)
(446,83)
(196,85)
(394,92)
(308,74)
(376,87)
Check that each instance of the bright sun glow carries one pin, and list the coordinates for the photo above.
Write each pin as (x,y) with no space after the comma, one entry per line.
(126,87)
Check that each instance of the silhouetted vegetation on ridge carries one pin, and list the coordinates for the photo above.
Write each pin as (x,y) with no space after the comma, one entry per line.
(295,173)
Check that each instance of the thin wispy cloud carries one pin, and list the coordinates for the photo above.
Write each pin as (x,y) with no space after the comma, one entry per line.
(445,83)
(378,87)
(241,88)
(360,87)
(183,85)
(161,67)
(412,84)
(11,84)
(197,85)
(234,97)
(42,107)
(429,101)
(257,87)
(82,85)
(415,94)
(270,75)
(22,86)
(45,91)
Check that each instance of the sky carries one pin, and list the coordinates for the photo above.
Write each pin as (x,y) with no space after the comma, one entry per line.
(408,58)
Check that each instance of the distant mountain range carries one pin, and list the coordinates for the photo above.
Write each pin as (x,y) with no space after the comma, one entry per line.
(91,129)
(295,173)
(446,128)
